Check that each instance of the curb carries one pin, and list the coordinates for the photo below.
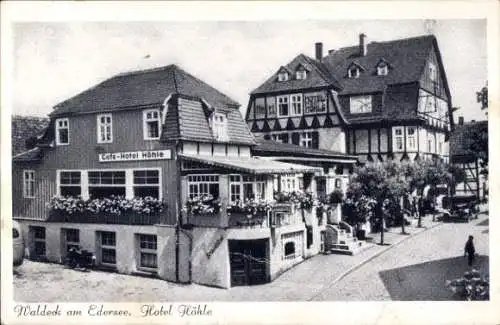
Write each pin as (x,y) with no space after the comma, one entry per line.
(369,258)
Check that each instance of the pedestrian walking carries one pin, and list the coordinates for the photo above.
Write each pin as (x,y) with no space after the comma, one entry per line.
(469,250)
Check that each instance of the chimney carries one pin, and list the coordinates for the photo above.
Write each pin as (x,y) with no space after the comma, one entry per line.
(473,121)
(362,44)
(460,120)
(319,51)
(330,52)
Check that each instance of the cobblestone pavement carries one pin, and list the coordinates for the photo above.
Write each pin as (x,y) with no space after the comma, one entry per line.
(318,278)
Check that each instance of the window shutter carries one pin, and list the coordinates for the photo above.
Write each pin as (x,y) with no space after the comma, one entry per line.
(295,138)
(284,137)
(315,139)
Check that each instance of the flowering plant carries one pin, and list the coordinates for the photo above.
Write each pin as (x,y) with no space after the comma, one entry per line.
(113,204)
(471,286)
(67,204)
(305,200)
(202,205)
(250,206)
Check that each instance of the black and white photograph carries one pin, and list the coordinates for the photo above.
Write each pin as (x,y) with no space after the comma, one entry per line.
(172,164)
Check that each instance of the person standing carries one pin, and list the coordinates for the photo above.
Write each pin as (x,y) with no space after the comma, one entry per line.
(470,250)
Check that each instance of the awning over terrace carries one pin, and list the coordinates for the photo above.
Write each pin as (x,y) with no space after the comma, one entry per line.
(251,165)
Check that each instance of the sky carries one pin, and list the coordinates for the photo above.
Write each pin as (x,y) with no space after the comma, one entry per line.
(54,61)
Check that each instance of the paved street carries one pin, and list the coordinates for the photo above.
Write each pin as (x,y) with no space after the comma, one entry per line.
(410,268)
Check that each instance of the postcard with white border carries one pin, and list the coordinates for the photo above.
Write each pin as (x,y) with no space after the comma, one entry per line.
(250,162)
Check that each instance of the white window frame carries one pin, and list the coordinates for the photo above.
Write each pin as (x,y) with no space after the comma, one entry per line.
(278,137)
(70,243)
(62,124)
(129,181)
(61,184)
(29,183)
(103,128)
(411,139)
(358,110)
(283,76)
(289,182)
(432,71)
(197,180)
(431,147)
(289,256)
(349,72)
(141,250)
(382,70)
(306,139)
(146,121)
(219,126)
(102,246)
(282,100)
(301,74)
(237,187)
(296,107)
(398,134)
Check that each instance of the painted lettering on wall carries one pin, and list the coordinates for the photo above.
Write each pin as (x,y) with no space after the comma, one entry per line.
(135,155)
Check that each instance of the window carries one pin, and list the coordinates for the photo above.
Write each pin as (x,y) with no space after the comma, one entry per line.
(28,184)
(219,126)
(300,74)
(361,104)
(62,131)
(245,187)
(260,107)
(398,139)
(283,76)
(296,104)
(289,183)
(289,250)
(353,72)
(147,251)
(71,238)
(282,105)
(314,103)
(440,147)
(281,137)
(106,183)
(147,183)
(271,106)
(104,128)
(70,183)
(38,235)
(151,126)
(430,143)
(199,185)
(411,140)
(432,72)
(382,69)
(306,139)
(107,247)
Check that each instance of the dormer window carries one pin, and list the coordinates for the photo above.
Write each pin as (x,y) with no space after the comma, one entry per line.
(300,74)
(353,72)
(283,76)
(219,126)
(382,69)
(432,72)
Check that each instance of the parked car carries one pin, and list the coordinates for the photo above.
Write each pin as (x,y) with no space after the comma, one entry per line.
(18,243)
(460,208)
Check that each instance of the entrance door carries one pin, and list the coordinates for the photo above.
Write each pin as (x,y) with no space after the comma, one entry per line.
(321,187)
(248,262)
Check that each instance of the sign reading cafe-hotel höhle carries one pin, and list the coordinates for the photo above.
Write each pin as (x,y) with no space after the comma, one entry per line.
(135,155)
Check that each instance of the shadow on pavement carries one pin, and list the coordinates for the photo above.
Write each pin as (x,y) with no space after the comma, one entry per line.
(426,281)
(485,222)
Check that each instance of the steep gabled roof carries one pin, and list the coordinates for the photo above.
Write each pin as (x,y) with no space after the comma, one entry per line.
(317,76)
(23,128)
(462,137)
(139,89)
(407,58)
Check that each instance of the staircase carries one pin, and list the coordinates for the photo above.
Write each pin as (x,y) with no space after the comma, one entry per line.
(340,240)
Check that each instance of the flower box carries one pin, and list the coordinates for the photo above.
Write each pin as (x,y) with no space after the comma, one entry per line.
(125,218)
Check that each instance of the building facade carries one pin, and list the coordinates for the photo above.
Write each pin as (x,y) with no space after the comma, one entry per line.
(149,170)
(378,101)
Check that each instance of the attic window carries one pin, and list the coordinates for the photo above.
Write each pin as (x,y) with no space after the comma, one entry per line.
(353,72)
(300,74)
(283,76)
(219,126)
(432,72)
(382,69)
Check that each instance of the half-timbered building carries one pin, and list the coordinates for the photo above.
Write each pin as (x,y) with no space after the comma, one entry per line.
(376,100)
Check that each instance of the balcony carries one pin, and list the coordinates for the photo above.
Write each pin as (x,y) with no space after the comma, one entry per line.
(125,218)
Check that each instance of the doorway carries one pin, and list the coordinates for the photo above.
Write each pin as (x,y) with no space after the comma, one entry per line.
(248,262)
